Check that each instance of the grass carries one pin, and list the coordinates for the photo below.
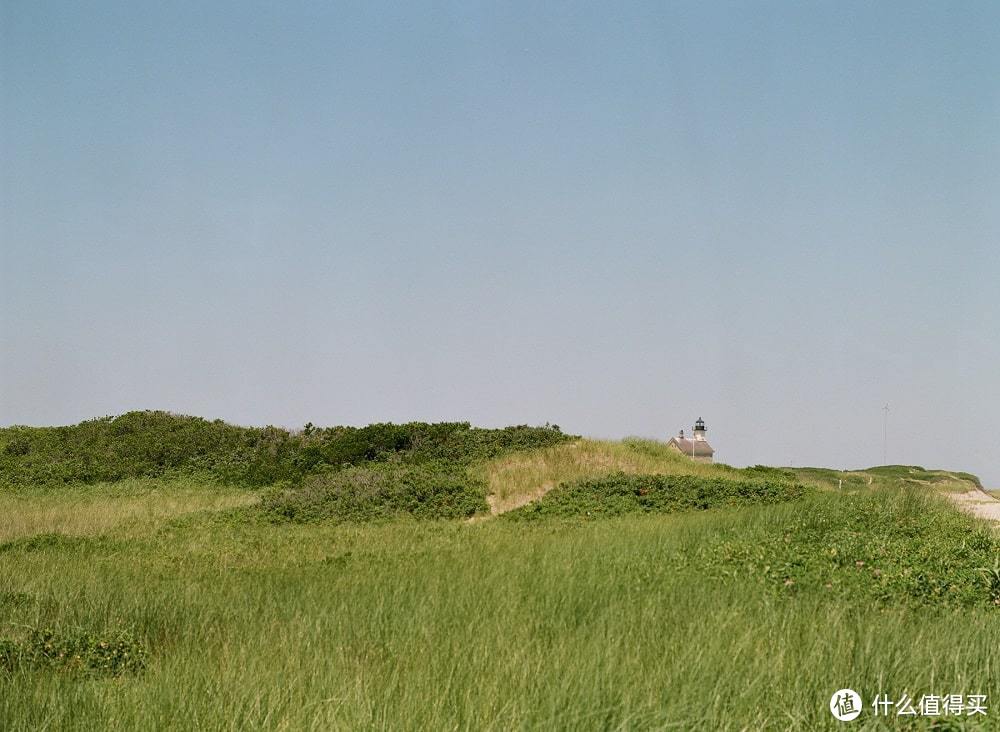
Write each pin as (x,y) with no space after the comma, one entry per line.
(627,623)
(518,478)
(514,479)
(128,507)
(726,619)
(887,476)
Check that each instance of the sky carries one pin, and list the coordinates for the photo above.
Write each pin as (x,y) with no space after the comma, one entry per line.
(615,217)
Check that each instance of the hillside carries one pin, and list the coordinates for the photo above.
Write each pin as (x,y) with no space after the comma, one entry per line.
(603,585)
(513,478)
(154,444)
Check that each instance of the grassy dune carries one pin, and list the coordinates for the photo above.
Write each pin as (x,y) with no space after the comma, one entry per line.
(521,477)
(726,619)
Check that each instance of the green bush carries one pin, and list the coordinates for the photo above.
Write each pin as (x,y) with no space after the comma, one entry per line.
(55,541)
(892,545)
(620,493)
(74,650)
(139,445)
(155,444)
(433,490)
(417,442)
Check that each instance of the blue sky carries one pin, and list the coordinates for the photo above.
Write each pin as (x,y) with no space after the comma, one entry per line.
(618,218)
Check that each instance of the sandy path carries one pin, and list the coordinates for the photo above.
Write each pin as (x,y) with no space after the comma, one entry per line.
(498,505)
(978,503)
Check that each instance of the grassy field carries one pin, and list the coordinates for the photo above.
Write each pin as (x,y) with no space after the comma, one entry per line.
(129,508)
(737,618)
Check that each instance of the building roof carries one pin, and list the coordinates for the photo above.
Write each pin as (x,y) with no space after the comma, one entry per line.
(701,447)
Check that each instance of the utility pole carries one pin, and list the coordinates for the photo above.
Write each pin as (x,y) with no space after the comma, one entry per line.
(885,434)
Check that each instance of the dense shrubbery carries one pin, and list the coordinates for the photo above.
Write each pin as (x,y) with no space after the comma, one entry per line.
(141,444)
(152,444)
(765,471)
(431,490)
(418,442)
(73,650)
(893,545)
(620,494)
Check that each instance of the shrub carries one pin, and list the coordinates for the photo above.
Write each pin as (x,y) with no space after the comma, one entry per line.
(896,546)
(619,494)
(380,491)
(74,650)
(138,445)
(154,444)
(418,442)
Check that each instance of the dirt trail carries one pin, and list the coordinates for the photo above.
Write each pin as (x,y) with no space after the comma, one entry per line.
(978,503)
(499,505)
(503,505)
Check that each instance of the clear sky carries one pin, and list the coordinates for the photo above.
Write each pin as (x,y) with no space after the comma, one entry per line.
(616,217)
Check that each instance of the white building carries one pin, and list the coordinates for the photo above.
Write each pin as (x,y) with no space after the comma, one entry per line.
(697,447)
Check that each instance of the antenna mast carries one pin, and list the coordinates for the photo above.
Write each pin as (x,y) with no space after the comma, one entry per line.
(885,434)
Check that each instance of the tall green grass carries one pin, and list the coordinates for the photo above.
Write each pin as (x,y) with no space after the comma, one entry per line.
(640,622)
(127,507)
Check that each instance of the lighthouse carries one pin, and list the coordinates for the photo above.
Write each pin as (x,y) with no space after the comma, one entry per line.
(696,447)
